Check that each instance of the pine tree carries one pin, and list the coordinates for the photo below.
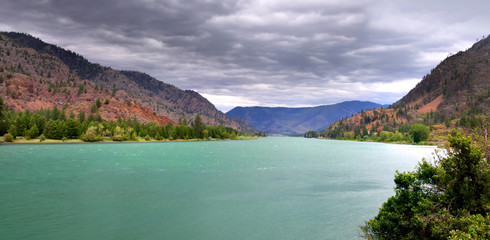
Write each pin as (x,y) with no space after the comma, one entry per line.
(198,126)
(33,132)
(98,103)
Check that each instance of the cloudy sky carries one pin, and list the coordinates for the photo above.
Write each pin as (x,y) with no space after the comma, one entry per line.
(262,52)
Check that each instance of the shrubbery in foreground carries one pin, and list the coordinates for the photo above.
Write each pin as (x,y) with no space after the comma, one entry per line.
(447,199)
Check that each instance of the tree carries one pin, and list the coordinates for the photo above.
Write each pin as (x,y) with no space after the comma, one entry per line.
(13,130)
(33,132)
(467,177)
(170,131)
(447,199)
(55,113)
(98,103)
(143,133)
(205,134)
(419,132)
(1,107)
(81,116)
(93,108)
(39,121)
(198,126)
(72,128)
(158,137)
(50,129)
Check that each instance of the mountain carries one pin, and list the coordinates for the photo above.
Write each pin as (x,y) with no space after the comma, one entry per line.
(461,82)
(33,68)
(455,95)
(293,121)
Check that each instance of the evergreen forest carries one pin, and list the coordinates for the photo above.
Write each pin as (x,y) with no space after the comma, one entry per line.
(55,123)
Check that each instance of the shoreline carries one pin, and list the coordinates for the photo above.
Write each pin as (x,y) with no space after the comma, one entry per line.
(80,141)
(396,143)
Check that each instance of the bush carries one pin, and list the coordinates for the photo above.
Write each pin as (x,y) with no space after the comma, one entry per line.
(8,137)
(90,138)
(91,135)
(118,138)
(158,137)
(397,137)
(419,132)
(385,136)
(448,199)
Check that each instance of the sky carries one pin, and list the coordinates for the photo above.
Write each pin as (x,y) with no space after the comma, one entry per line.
(262,52)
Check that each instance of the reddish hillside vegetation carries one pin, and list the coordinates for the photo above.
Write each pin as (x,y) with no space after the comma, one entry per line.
(30,80)
(37,75)
(456,94)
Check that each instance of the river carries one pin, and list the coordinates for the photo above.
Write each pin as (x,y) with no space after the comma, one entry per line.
(270,188)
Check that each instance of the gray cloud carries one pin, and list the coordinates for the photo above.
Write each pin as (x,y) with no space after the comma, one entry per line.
(264,52)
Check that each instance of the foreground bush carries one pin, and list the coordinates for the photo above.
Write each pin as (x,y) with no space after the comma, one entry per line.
(447,199)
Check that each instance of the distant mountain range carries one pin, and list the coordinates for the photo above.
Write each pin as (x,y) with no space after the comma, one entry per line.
(294,121)
(455,95)
(38,75)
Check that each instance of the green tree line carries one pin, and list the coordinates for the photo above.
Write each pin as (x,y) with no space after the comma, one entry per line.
(415,133)
(402,123)
(55,123)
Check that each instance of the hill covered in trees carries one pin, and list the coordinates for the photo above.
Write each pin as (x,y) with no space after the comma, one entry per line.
(35,75)
(56,124)
(455,95)
(296,121)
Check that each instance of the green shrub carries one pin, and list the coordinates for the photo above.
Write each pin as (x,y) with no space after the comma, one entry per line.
(91,135)
(419,132)
(118,138)
(8,137)
(42,138)
(447,199)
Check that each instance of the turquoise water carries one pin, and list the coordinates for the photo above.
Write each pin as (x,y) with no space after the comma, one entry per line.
(271,188)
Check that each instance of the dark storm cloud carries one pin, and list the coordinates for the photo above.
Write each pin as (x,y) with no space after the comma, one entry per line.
(264,52)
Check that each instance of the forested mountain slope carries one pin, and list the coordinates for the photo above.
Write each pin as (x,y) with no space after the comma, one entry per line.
(461,82)
(61,67)
(456,94)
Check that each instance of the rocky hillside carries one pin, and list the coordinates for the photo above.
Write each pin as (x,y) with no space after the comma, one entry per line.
(459,83)
(31,80)
(37,74)
(293,121)
(456,94)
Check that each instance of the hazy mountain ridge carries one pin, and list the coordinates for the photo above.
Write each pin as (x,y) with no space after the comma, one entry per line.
(281,120)
(161,98)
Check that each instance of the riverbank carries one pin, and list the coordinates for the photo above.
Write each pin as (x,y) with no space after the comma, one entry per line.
(22,140)
(425,143)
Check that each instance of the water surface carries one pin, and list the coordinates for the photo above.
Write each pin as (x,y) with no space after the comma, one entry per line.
(271,188)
